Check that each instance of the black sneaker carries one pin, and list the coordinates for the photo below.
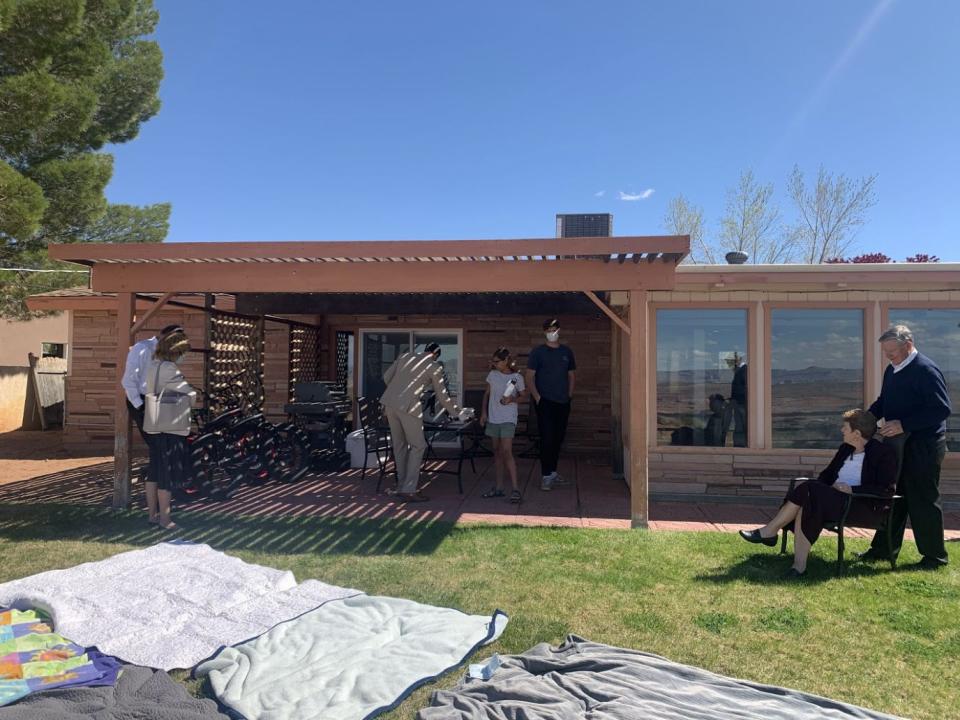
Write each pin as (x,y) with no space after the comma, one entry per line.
(931,563)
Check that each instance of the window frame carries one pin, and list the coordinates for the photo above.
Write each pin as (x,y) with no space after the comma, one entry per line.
(753,372)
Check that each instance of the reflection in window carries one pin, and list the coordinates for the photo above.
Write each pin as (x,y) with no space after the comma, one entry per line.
(817,373)
(702,377)
(936,333)
(380,349)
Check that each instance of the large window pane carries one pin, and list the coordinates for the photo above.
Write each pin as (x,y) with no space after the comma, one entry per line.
(702,377)
(817,370)
(449,356)
(936,334)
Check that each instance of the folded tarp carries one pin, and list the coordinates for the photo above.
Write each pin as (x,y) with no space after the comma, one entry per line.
(349,659)
(582,679)
(139,694)
(167,606)
(33,658)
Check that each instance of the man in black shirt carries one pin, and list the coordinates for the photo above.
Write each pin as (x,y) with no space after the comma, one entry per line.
(914,405)
(550,376)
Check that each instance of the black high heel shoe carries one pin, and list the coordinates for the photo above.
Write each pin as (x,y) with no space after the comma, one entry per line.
(753,536)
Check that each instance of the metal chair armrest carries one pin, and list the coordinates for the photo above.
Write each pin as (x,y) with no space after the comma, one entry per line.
(874,496)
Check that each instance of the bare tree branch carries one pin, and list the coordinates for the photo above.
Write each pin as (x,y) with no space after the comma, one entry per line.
(682,218)
(751,223)
(831,213)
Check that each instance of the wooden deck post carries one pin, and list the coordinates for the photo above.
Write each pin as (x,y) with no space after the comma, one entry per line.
(639,489)
(121,442)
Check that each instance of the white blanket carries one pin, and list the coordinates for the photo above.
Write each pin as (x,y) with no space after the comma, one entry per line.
(167,606)
(348,660)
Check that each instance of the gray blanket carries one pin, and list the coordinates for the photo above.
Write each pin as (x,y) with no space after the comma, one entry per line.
(582,679)
(139,694)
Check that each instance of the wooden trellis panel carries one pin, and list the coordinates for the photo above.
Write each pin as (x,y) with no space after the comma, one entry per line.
(235,362)
(304,355)
(342,359)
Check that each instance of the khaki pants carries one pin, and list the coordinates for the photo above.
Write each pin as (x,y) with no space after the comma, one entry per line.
(406,433)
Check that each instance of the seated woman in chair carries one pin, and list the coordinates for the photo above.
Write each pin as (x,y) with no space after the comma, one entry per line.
(861,465)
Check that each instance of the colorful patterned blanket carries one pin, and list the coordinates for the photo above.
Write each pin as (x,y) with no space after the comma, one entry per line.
(34,658)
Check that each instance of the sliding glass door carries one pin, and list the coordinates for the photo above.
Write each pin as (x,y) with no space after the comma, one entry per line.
(380,348)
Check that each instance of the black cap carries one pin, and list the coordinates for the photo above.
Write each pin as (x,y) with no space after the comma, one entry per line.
(433,348)
(170,329)
(551,323)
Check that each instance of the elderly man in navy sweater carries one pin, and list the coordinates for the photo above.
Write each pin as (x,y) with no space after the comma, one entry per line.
(914,404)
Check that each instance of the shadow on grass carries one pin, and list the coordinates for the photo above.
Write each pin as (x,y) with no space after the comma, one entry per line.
(770,568)
(320,536)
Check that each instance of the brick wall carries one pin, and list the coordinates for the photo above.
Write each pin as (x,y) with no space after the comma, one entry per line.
(753,473)
(589,338)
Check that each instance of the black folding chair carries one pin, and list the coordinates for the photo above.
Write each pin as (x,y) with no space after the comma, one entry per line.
(883,522)
(531,432)
(376,436)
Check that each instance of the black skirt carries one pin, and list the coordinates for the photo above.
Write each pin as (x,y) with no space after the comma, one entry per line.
(823,505)
(169,461)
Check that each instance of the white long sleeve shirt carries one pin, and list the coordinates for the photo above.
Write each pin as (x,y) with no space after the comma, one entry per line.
(134,374)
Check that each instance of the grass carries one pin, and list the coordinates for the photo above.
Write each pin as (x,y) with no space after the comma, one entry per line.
(885,640)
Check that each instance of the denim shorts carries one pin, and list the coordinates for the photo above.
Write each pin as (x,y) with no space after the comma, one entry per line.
(500,430)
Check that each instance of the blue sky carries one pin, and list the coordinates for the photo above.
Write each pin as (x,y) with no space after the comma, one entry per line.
(428,120)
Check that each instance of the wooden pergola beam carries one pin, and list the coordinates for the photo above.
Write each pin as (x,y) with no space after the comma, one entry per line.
(157,306)
(607,311)
(459,277)
(121,442)
(540,247)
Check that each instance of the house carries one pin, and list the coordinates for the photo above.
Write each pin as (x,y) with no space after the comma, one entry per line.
(41,337)
(691,380)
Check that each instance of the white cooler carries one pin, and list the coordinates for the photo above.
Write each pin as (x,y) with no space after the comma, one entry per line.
(355,446)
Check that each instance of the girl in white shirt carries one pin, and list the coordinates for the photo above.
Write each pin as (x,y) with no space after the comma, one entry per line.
(504,392)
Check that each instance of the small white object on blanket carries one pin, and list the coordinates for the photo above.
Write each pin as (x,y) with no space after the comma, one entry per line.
(167,606)
(346,660)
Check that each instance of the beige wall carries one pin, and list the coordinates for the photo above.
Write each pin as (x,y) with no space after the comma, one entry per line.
(19,338)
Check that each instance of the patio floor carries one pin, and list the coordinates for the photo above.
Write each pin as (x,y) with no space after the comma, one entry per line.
(34,470)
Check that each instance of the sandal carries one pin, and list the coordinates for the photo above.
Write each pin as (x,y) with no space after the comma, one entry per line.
(493,493)
(516,497)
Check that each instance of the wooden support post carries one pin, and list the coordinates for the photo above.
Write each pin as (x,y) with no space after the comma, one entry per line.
(616,401)
(639,489)
(121,442)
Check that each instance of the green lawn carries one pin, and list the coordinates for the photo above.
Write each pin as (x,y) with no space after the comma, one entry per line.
(889,641)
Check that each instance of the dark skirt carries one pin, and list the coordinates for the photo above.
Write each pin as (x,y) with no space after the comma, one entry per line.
(823,505)
(169,461)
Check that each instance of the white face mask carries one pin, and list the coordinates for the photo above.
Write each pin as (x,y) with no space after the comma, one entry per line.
(553,335)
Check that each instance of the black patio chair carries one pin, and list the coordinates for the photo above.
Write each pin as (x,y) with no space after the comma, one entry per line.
(531,433)
(376,436)
(475,441)
(883,523)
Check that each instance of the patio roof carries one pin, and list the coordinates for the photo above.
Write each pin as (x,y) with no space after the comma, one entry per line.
(552,264)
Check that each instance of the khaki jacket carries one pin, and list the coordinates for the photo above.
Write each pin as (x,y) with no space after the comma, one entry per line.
(407,380)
